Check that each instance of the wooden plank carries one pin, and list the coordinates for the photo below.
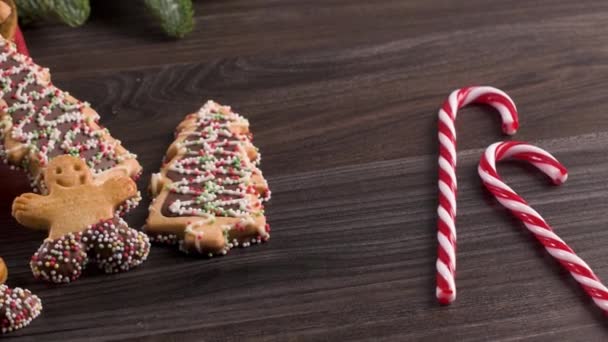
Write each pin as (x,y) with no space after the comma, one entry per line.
(342,97)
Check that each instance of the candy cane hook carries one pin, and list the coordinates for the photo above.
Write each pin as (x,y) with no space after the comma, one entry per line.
(545,162)
(446,210)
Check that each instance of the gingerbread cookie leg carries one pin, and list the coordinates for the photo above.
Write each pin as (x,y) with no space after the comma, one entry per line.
(80,215)
(209,192)
(116,247)
(60,260)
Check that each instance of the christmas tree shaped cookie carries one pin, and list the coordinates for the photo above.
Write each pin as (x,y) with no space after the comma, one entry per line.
(209,192)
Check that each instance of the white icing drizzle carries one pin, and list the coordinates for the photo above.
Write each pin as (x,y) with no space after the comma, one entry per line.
(47,138)
(213,162)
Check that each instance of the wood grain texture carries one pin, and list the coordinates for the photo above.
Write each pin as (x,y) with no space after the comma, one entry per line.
(342,96)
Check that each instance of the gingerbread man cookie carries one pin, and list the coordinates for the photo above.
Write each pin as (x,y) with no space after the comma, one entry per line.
(82,219)
(209,192)
(18,307)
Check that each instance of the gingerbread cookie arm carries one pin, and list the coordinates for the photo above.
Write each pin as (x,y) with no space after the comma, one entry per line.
(33,211)
(119,189)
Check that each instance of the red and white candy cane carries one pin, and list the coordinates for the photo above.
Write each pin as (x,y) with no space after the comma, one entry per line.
(545,162)
(446,234)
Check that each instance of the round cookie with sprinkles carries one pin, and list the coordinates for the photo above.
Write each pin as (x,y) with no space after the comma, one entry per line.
(81,217)
(18,307)
(209,193)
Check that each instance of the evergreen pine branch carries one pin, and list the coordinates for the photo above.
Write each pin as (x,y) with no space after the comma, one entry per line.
(175,16)
(70,12)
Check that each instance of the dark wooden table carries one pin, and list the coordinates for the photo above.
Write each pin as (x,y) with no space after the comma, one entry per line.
(342,97)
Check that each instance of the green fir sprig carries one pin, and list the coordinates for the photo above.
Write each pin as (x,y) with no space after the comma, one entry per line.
(70,12)
(175,17)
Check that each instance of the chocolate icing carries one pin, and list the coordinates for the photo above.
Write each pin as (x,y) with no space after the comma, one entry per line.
(201,143)
(85,142)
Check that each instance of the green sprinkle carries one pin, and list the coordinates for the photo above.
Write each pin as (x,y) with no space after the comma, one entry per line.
(236,163)
(205,159)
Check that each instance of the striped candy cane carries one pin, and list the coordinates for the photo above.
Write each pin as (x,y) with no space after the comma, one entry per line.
(446,234)
(545,162)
